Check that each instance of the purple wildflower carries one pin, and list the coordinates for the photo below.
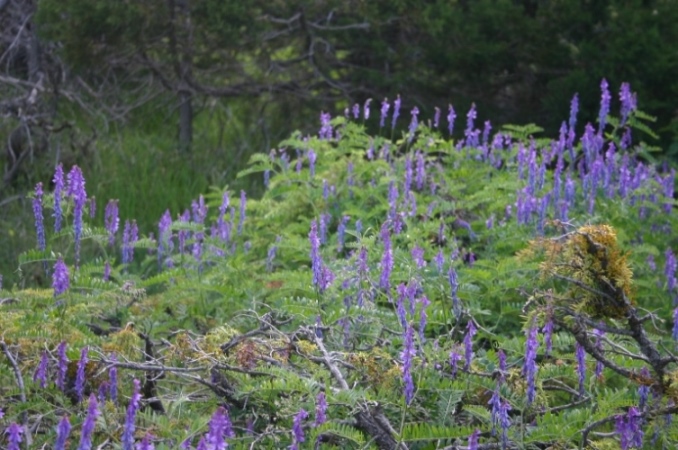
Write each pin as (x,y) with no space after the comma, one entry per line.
(316,261)
(113,380)
(454,286)
(355,110)
(667,183)
(643,390)
(414,123)
(675,324)
(436,117)
(63,430)
(406,358)
(604,105)
(58,189)
(92,205)
(392,199)
(320,409)
(440,260)
(396,111)
(322,227)
(386,260)
(504,422)
(325,127)
(468,344)
(580,355)
(270,256)
(400,305)
(628,102)
(40,374)
(130,235)
(80,374)
(629,429)
(495,403)
(127,438)
(219,428)
(111,220)
(384,112)
(454,359)
(574,110)
(469,133)
(450,120)
(146,443)
(418,256)
(89,424)
(670,269)
(297,430)
(14,432)
(60,281)
(530,367)
(548,335)
(599,346)
(164,236)
(366,109)
(420,171)
(311,162)
(473,440)
(76,190)
(62,366)
(39,219)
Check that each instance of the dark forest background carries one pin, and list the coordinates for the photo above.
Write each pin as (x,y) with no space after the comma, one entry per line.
(159,99)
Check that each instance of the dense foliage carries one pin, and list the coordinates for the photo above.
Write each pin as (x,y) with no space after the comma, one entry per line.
(388,290)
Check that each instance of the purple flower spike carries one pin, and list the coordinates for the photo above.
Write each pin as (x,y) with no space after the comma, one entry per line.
(89,424)
(111,220)
(670,269)
(574,110)
(406,357)
(63,430)
(675,324)
(219,428)
(62,366)
(450,120)
(366,109)
(14,432)
(386,259)
(80,374)
(40,374)
(384,112)
(423,318)
(418,257)
(530,368)
(473,440)
(628,102)
(548,335)
(604,105)
(320,409)
(76,190)
(414,123)
(580,355)
(60,280)
(39,218)
(454,359)
(107,271)
(127,439)
(297,430)
(165,237)
(147,443)
(130,235)
(58,193)
(396,111)
(468,344)
(311,162)
(113,380)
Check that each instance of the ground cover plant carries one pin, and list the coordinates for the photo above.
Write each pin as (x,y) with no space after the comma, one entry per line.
(435,285)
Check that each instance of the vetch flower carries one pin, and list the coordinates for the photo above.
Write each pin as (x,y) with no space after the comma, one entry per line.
(386,259)
(127,438)
(366,109)
(574,110)
(76,190)
(530,367)
(396,111)
(423,316)
(320,409)
(219,428)
(62,366)
(92,205)
(406,357)
(580,355)
(670,269)
(130,235)
(80,374)
(468,344)
(63,430)
(14,432)
(548,335)
(40,374)
(341,230)
(325,127)
(414,123)
(60,280)
(384,112)
(675,324)
(436,117)
(111,220)
(454,359)
(146,443)
(39,218)
(107,271)
(113,380)
(58,192)
(454,286)
(643,390)
(504,422)
(418,256)
(628,102)
(495,403)
(473,440)
(270,256)
(297,430)
(604,105)
(450,120)
(89,424)
(165,236)
(311,162)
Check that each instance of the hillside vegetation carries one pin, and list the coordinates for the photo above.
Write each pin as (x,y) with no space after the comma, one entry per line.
(387,290)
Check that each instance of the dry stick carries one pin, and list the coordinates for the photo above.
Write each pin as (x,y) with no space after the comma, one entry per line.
(22,387)
(369,418)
